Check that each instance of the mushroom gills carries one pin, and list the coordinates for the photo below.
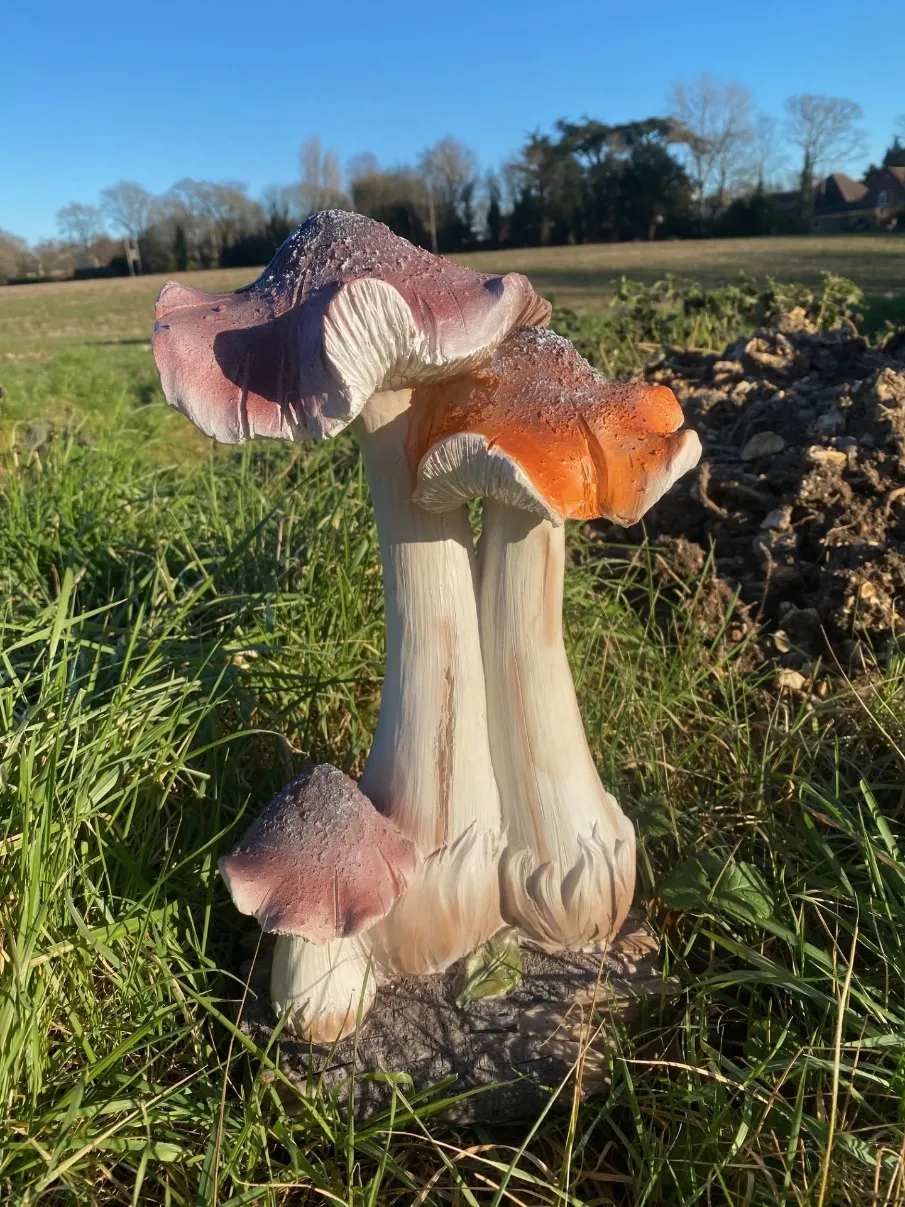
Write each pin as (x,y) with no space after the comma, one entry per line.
(466,466)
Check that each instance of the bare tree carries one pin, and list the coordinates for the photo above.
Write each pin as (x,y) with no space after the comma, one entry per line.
(230,210)
(450,171)
(321,178)
(284,203)
(396,196)
(80,224)
(127,207)
(183,203)
(284,208)
(766,161)
(16,260)
(716,118)
(824,129)
(900,125)
(365,163)
(54,258)
(211,216)
(451,166)
(331,172)
(310,160)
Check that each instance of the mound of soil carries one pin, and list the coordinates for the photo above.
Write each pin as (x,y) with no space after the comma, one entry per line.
(801,487)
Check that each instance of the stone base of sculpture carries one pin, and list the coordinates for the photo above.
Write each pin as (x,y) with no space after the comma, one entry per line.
(559,1018)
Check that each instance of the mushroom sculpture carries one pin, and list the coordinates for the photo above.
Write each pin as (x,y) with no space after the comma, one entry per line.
(453,394)
(340,326)
(320,863)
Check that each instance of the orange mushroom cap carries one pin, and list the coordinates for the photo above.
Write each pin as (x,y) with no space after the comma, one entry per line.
(538,427)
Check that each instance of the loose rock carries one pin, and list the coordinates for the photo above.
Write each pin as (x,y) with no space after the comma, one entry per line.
(764,444)
(790,680)
(779,518)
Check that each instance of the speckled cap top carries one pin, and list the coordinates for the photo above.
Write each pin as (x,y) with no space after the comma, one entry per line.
(537,427)
(344,309)
(320,861)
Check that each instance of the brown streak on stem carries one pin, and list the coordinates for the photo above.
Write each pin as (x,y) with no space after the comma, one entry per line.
(445,740)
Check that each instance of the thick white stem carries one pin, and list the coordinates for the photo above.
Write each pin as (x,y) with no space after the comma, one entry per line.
(326,987)
(567,875)
(430,769)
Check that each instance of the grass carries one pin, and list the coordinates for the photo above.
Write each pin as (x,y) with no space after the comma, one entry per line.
(581,278)
(181,628)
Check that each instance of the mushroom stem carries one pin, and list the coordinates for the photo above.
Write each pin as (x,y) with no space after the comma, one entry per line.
(325,987)
(430,769)
(567,874)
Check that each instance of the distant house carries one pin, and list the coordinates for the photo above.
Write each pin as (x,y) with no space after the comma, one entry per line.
(875,203)
(887,187)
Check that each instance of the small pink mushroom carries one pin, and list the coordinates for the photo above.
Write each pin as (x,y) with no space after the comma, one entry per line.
(320,861)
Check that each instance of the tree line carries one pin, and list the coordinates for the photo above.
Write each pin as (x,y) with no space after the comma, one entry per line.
(709,166)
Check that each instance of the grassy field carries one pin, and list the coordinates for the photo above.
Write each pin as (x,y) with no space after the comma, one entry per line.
(582,278)
(181,628)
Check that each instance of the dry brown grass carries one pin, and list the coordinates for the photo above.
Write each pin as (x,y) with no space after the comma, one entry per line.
(581,276)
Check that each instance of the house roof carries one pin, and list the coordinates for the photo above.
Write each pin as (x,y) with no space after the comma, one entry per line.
(850,190)
(899,174)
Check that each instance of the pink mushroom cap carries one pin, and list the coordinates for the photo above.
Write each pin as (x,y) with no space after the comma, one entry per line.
(320,861)
(344,309)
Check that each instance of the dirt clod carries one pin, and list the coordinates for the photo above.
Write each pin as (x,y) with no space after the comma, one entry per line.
(801,487)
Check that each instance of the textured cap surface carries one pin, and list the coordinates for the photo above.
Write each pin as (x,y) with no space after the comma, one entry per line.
(320,861)
(344,309)
(539,428)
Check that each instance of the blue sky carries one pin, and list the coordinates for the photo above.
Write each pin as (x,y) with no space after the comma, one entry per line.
(92,93)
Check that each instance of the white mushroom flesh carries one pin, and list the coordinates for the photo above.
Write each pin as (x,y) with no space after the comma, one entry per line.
(430,769)
(323,988)
(567,874)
